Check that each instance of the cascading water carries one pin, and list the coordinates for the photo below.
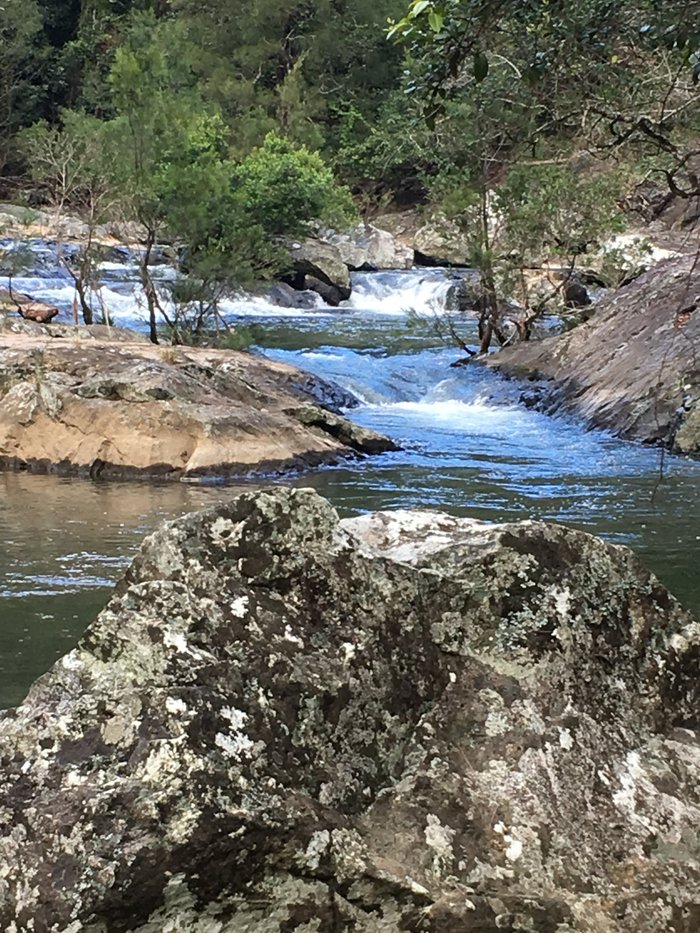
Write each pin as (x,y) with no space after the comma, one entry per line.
(119,291)
(420,290)
(468,447)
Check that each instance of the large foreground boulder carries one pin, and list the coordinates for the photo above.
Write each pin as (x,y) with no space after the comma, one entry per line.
(90,406)
(282,722)
(634,367)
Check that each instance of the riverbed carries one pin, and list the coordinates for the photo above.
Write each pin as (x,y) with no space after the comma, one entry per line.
(468,447)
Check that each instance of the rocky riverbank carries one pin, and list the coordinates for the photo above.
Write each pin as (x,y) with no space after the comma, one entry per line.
(105,402)
(633,368)
(402,721)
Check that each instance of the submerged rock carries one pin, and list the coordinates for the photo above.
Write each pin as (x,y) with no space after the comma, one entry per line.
(634,366)
(282,722)
(90,406)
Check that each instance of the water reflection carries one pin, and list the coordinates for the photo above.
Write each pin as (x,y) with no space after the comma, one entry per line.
(64,543)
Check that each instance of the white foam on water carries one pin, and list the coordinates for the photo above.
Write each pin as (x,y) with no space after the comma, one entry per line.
(316,355)
(122,267)
(423,291)
(460,412)
(257,306)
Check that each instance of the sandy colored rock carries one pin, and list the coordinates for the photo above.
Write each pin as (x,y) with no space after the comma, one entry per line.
(634,366)
(27,307)
(94,407)
(401,721)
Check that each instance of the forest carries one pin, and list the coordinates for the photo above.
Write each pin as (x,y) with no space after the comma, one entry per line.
(228,124)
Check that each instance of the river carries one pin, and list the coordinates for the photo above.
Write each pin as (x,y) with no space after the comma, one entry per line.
(468,447)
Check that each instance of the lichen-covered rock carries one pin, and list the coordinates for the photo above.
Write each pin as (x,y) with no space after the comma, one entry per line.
(440,242)
(90,406)
(282,722)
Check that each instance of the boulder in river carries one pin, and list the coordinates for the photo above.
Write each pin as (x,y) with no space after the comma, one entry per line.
(284,296)
(331,294)
(400,721)
(27,307)
(319,261)
(131,409)
(369,249)
(440,242)
(575,293)
(634,367)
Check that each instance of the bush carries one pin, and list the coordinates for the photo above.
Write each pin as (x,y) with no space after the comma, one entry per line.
(283,188)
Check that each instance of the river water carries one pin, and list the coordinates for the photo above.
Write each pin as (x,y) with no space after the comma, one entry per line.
(468,448)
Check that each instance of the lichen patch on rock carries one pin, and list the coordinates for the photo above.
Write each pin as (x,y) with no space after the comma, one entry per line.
(286,722)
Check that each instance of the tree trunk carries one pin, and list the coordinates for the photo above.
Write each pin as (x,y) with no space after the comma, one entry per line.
(489,310)
(149,289)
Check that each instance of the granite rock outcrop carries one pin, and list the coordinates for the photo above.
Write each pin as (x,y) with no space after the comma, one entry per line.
(403,721)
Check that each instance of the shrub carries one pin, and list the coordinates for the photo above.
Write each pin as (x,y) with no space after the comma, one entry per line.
(283,188)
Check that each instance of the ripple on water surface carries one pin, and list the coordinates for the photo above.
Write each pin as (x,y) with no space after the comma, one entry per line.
(468,448)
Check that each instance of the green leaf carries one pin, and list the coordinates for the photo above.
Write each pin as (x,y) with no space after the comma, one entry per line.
(436,20)
(418,8)
(481,67)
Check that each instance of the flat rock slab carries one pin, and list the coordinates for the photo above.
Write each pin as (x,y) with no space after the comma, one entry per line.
(77,402)
(400,722)
(634,367)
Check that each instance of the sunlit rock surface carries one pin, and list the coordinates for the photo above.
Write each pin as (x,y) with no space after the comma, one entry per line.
(90,404)
(282,722)
(634,366)
(369,248)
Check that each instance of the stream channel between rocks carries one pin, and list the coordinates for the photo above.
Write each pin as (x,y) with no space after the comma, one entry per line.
(469,448)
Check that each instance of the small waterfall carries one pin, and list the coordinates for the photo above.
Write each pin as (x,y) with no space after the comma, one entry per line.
(399,293)
(425,291)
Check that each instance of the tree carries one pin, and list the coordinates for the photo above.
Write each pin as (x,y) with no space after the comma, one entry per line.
(174,170)
(621,75)
(285,187)
(20,68)
(156,109)
(508,86)
(72,164)
(292,68)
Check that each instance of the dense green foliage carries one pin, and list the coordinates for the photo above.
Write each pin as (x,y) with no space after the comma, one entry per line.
(322,74)
(314,71)
(514,92)
(279,185)
(227,125)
